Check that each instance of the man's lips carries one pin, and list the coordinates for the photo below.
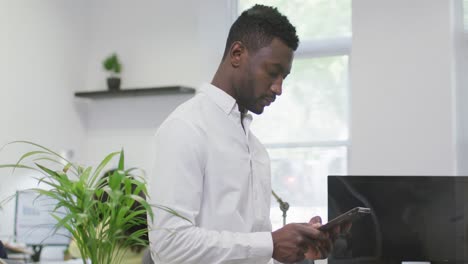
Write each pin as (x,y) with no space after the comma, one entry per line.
(269,100)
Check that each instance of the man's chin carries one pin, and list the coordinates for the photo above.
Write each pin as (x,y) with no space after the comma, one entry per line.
(257,111)
(256,108)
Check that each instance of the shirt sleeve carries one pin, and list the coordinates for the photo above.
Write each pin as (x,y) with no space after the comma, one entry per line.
(176,181)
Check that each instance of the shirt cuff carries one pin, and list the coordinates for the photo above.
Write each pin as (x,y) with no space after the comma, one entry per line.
(263,242)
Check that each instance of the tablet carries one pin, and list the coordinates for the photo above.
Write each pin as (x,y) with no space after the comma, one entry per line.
(349,216)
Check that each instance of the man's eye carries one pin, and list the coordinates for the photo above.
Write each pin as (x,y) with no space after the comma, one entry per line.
(273,74)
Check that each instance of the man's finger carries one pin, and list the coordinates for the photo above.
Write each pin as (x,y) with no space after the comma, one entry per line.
(324,248)
(336,230)
(315,220)
(346,227)
(312,233)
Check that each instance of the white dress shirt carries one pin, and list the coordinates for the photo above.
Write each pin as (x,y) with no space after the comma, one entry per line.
(212,170)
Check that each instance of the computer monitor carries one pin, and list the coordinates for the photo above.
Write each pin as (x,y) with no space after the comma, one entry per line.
(34,224)
(413,218)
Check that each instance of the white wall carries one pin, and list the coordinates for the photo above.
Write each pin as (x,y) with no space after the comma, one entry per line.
(160,43)
(41,65)
(157,42)
(402,88)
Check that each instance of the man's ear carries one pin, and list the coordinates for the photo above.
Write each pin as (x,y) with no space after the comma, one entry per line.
(235,53)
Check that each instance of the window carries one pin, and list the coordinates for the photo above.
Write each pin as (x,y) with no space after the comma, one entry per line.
(465,13)
(314,19)
(306,129)
(461,38)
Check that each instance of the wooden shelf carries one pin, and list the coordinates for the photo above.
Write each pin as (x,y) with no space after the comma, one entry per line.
(167,90)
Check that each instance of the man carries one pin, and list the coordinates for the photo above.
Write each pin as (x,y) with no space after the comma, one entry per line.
(214,172)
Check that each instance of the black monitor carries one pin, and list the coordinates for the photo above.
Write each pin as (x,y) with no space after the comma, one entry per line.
(414,218)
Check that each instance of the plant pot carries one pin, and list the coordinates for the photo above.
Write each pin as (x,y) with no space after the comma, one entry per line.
(113,83)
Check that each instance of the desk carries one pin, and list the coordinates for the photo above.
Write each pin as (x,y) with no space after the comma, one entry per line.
(73,261)
(11,261)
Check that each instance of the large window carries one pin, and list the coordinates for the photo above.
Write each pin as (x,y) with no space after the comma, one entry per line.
(465,13)
(306,129)
(462,87)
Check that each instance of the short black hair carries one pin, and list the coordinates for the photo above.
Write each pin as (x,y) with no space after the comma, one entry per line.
(256,27)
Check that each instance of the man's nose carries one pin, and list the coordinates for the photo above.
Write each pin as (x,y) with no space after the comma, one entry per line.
(277,87)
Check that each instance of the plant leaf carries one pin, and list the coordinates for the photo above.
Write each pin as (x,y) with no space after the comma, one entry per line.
(121,160)
(101,166)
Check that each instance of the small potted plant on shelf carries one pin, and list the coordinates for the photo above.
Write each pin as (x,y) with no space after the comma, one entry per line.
(98,226)
(114,67)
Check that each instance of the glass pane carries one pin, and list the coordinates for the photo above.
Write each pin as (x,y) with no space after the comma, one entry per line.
(313,19)
(313,106)
(465,13)
(299,177)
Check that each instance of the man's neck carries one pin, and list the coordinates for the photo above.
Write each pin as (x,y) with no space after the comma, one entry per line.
(223,80)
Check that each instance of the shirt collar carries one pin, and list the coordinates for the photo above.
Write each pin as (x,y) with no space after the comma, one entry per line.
(228,104)
(220,97)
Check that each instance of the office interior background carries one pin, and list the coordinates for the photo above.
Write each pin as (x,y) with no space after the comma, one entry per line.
(377,87)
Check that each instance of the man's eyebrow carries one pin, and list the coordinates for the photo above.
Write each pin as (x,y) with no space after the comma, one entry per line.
(279,66)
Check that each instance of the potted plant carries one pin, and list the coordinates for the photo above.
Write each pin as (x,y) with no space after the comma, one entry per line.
(114,67)
(97,225)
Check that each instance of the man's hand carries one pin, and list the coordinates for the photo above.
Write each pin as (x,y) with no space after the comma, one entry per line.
(291,242)
(322,252)
(321,249)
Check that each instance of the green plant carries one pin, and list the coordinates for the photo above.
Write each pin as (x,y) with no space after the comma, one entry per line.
(112,64)
(97,225)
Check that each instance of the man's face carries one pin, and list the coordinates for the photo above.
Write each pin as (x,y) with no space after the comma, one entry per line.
(263,73)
